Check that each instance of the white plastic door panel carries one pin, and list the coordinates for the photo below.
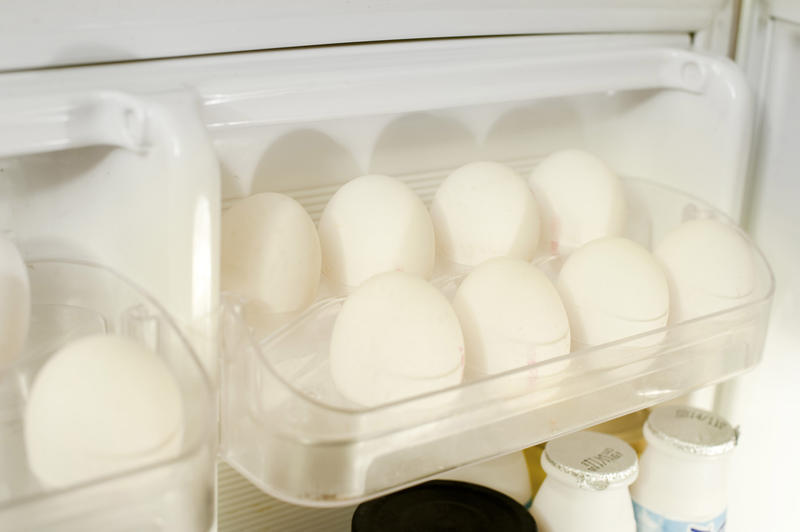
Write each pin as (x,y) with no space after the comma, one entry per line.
(127,181)
(763,484)
(54,32)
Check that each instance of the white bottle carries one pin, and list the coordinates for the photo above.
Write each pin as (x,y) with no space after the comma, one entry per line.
(586,489)
(683,471)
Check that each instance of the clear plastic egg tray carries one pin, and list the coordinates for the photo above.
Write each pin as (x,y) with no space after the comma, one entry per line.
(285,427)
(71,300)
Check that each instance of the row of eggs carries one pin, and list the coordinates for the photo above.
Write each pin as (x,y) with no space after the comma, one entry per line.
(398,336)
(271,249)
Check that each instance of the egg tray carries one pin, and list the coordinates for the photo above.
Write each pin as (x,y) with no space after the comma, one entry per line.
(71,300)
(287,429)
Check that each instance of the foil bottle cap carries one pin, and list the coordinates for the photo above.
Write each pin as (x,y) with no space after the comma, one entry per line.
(690,430)
(591,460)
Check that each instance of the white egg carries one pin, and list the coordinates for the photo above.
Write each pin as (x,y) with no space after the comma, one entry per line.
(395,337)
(100,405)
(270,251)
(709,266)
(15,302)
(485,210)
(511,316)
(375,224)
(613,288)
(580,197)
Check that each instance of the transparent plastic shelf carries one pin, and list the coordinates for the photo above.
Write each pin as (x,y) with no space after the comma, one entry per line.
(286,428)
(71,300)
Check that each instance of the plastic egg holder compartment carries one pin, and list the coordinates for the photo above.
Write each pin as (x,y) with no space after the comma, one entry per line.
(72,300)
(287,428)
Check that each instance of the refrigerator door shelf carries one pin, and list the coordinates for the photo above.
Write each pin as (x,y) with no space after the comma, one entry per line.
(286,428)
(70,300)
(71,121)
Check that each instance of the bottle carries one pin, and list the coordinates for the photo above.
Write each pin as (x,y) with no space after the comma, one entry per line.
(683,471)
(627,428)
(586,489)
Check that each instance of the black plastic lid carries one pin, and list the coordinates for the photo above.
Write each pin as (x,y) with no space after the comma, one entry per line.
(443,506)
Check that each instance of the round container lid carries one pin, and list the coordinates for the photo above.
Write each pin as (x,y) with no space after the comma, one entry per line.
(690,430)
(591,460)
(443,506)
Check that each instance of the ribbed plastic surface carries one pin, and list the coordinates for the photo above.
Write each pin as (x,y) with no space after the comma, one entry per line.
(244,508)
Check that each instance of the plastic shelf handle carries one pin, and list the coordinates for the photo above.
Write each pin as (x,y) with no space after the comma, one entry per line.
(45,124)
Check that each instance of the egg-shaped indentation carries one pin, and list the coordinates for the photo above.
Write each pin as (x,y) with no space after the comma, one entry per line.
(421,142)
(543,126)
(303,158)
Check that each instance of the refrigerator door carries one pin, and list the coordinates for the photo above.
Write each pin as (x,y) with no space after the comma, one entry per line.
(51,32)
(304,121)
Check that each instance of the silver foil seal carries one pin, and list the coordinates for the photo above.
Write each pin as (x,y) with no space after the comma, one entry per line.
(691,430)
(592,460)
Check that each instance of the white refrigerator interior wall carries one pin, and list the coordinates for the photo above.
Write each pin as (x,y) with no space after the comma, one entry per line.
(764,480)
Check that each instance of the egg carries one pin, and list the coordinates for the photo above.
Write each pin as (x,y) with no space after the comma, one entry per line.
(580,197)
(484,210)
(613,288)
(375,224)
(396,336)
(709,266)
(100,405)
(270,251)
(511,316)
(15,302)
